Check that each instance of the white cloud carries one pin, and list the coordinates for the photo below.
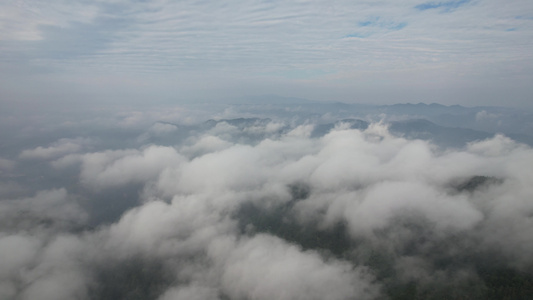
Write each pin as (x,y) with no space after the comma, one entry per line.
(121,167)
(206,144)
(58,275)
(191,292)
(484,116)
(17,252)
(397,198)
(6,165)
(266,267)
(53,208)
(56,149)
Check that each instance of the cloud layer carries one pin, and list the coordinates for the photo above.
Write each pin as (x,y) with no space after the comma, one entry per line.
(363,51)
(264,210)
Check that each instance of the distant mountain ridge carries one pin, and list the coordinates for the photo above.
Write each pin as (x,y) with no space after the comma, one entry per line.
(239,122)
(515,123)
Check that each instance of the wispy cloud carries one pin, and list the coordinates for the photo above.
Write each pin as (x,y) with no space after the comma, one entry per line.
(164,44)
(357,35)
(375,25)
(381,22)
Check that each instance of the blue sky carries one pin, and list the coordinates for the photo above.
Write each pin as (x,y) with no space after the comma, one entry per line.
(445,6)
(451,52)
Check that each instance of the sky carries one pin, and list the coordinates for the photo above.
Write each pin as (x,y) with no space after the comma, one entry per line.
(469,52)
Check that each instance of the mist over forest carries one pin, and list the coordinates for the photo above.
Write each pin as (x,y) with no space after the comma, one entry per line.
(285,200)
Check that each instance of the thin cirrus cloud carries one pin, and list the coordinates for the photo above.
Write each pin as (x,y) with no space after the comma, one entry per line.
(164,46)
(376,25)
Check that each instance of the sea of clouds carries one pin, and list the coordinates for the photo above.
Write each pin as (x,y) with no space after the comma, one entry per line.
(264,209)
